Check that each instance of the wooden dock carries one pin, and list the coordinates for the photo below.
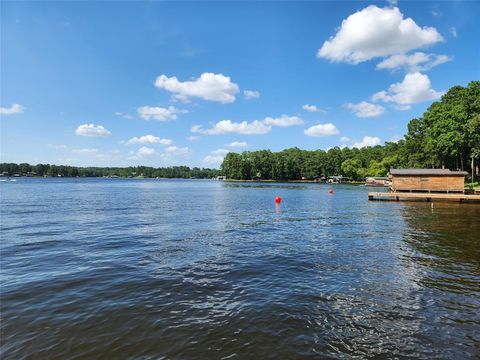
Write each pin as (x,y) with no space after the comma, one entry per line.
(422,196)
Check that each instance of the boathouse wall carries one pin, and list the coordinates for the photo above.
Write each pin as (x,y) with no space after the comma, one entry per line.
(428,180)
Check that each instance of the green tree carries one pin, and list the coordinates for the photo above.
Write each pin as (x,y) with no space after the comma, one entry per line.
(351,167)
(232,166)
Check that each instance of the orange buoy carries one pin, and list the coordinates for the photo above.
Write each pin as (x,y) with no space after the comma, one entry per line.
(278,199)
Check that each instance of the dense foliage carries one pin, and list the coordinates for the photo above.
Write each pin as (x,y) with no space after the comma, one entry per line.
(183,172)
(294,164)
(447,135)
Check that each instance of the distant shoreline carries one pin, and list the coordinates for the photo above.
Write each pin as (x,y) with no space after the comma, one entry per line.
(180,178)
(102,177)
(42,170)
(296,181)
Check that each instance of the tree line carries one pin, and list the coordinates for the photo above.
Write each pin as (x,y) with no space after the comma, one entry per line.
(447,135)
(181,172)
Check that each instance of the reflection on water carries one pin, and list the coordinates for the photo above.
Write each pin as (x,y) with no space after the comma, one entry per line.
(447,232)
(203,269)
(443,254)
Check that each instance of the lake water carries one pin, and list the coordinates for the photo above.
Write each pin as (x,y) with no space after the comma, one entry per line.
(141,268)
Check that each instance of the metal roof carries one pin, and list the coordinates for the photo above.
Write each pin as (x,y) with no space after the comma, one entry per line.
(434,172)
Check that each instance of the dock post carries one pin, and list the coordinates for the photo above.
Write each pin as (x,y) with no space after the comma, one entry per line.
(370,197)
(396,197)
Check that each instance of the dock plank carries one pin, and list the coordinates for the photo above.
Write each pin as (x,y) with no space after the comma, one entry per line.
(427,196)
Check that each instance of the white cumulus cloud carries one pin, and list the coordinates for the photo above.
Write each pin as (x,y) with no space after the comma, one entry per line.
(376,32)
(418,61)
(344,139)
(312,108)
(159,113)
(251,94)
(92,130)
(124,115)
(237,144)
(12,110)
(256,127)
(414,88)
(283,121)
(220,152)
(321,130)
(367,141)
(214,160)
(365,109)
(149,139)
(174,150)
(145,151)
(209,86)
(228,127)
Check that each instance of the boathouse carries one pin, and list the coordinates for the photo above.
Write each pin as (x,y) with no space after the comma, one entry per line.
(427,180)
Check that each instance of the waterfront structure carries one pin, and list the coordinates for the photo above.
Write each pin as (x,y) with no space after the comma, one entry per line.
(427,180)
(429,197)
(377,181)
(337,179)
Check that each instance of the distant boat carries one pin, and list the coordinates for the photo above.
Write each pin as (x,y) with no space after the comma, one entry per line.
(221,178)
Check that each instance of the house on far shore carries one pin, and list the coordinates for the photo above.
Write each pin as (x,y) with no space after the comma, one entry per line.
(314,178)
(337,179)
(377,181)
(427,180)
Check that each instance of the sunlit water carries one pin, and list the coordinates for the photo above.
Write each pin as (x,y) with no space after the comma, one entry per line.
(115,268)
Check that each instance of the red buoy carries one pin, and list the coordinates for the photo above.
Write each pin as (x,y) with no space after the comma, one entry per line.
(278,199)
(330,191)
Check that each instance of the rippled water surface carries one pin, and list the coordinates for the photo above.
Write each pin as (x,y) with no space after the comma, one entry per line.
(115,268)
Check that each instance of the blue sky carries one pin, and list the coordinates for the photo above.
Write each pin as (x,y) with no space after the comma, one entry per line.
(165,83)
